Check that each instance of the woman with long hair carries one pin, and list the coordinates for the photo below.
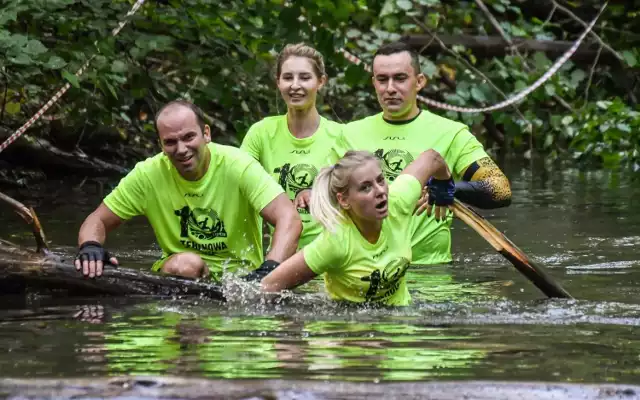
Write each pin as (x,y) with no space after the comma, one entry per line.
(294,146)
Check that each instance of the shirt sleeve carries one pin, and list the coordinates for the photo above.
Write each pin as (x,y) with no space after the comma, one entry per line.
(404,193)
(325,252)
(252,143)
(129,198)
(256,184)
(340,146)
(467,149)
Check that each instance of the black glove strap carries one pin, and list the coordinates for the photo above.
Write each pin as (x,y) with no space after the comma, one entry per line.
(265,269)
(90,243)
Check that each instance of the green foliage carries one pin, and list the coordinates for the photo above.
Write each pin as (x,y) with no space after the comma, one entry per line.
(607,132)
(221,55)
(573,90)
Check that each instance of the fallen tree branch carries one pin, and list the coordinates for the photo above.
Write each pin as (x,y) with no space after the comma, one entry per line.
(39,152)
(494,46)
(38,272)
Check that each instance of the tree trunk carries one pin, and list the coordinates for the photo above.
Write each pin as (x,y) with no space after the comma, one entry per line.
(21,269)
(494,46)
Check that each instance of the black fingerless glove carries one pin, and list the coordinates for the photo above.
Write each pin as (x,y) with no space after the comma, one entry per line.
(441,192)
(93,251)
(262,271)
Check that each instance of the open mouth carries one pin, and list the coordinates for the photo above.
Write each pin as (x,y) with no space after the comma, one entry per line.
(185,160)
(382,205)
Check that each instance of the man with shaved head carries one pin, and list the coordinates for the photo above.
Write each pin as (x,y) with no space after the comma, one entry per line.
(203,201)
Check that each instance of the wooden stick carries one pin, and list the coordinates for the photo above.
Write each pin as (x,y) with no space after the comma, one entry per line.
(534,272)
(30,217)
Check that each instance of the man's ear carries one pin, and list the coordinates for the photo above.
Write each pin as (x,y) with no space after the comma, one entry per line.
(421,81)
(207,134)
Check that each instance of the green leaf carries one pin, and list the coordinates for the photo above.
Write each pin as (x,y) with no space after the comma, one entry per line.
(549,89)
(118,67)
(478,95)
(21,59)
(630,58)
(567,120)
(387,9)
(71,78)
(55,62)
(499,8)
(624,127)
(7,15)
(112,90)
(34,47)
(404,4)
(577,76)
(12,108)
(353,33)
(541,61)
(18,41)
(429,69)
(520,85)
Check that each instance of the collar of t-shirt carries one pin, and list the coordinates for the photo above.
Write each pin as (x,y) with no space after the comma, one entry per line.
(403,122)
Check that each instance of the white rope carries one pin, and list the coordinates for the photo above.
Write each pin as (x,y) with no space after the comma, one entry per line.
(66,87)
(509,101)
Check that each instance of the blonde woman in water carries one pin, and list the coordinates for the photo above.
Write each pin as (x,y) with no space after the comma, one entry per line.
(365,248)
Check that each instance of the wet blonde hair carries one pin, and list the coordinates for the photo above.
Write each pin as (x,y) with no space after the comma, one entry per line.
(301,50)
(332,180)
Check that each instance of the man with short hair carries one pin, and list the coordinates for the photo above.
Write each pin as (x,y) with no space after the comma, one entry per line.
(403,130)
(202,200)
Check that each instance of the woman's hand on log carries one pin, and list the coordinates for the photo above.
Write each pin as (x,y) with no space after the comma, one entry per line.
(92,258)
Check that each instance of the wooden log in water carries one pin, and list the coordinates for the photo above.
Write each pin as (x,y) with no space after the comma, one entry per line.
(33,270)
(157,387)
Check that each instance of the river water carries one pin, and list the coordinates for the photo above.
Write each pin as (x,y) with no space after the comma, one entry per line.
(477,319)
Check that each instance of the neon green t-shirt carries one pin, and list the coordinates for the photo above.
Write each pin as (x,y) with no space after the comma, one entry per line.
(357,270)
(216,217)
(292,162)
(397,145)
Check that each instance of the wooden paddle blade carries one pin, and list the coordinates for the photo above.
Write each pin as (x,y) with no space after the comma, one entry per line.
(532,271)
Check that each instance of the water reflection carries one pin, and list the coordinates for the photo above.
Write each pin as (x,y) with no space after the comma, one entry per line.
(477,318)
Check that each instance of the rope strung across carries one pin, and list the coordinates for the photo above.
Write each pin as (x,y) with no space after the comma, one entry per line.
(350,57)
(66,87)
(509,101)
